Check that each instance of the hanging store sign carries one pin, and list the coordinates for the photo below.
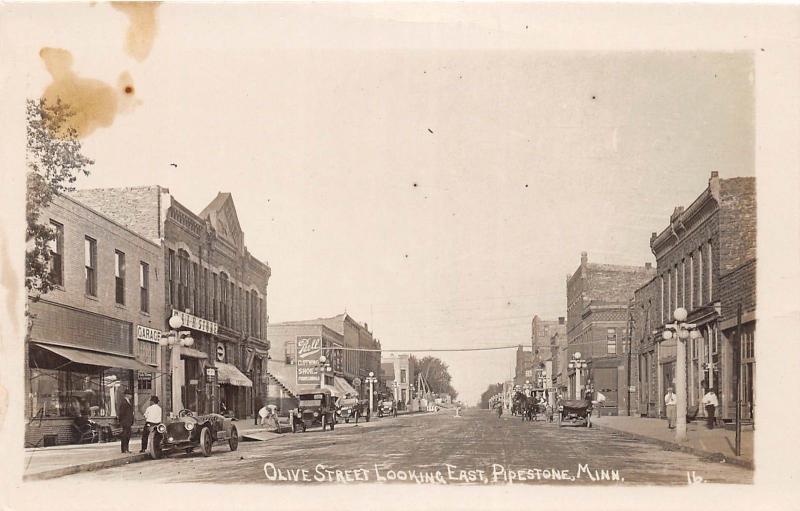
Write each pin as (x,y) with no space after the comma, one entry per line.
(210,372)
(221,352)
(147,334)
(195,323)
(309,349)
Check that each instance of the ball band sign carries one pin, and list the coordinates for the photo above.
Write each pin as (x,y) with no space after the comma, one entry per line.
(309,348)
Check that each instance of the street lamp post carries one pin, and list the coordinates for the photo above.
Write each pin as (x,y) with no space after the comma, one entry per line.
(682,331)
(371,380)
(174,339)
(578,364)
(324,367)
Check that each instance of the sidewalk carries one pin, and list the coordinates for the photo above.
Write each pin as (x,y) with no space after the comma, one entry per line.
(719,442)
(49,462)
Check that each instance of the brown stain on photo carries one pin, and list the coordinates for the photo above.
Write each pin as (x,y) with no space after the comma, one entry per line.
(93,102)
(142,29)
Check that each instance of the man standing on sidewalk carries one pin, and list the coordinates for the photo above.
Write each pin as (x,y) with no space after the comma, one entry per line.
(671,401)
(152,418)
(125,416)
(711,403)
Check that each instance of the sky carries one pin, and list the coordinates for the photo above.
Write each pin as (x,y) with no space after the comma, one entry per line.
(427,175)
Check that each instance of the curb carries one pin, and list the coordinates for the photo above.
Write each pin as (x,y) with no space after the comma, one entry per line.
(672,446)
(85,467)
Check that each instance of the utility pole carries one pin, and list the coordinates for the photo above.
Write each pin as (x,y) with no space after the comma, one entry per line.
(630,348)
(737,361)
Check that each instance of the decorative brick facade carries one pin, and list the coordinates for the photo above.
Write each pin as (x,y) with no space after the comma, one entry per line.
(209,273)
(711,240)
(598,316)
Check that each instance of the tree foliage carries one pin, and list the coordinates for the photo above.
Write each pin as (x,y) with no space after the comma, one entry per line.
(493,389)
(436,373)
(54,162)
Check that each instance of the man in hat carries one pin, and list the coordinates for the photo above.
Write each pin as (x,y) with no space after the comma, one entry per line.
(125,416)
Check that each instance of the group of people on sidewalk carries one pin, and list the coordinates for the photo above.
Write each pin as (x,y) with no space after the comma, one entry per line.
(709,402)
(152,418)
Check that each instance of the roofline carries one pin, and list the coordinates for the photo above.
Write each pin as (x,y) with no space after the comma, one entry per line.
(109,220)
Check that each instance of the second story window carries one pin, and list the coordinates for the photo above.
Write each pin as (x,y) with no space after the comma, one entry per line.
(144,287)
(57,254)
(611,341)
(402,375)
(119,277)
(90,264)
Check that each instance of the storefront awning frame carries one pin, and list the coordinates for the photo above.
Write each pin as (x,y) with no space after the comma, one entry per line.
(93,358)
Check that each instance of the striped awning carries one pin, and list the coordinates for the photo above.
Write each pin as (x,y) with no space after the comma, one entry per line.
(229,374)
(341,387)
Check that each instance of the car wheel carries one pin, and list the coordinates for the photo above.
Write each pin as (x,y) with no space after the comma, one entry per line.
(347,421)
(153,446)
(234,440)
(205,442)
(559,420)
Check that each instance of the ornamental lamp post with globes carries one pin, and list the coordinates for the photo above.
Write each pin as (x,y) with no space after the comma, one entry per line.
(174,339)
(371,380)
(681,330)
(578,364)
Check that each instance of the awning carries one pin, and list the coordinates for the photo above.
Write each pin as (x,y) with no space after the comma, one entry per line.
(342,387)
(96,359)
(193,353)
(231,375)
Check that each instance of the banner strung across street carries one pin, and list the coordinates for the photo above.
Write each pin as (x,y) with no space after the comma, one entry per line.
(309,348)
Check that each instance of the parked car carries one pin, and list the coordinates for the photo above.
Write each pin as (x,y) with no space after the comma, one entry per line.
(315,408)
(387,407)
(348,408)
(190,431)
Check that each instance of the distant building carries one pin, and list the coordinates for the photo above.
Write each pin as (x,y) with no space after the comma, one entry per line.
(524,367)
(355,365)
(288,378)
(397,373)
(598,316)
(557,345)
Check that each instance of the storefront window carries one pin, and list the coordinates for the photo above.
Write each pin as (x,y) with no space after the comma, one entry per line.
(67,393)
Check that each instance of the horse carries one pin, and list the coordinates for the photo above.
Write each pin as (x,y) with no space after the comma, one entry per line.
(517,403)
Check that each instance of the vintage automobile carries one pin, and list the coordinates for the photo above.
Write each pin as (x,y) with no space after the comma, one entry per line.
(348,408)
(315,407)
(387,407)
(190,431)
(575,412)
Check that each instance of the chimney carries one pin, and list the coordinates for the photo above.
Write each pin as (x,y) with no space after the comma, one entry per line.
(584,258)
(648,266)
(714,174)
(561,320)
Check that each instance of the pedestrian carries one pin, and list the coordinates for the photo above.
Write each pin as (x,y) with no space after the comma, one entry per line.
(263,413)
(711,403)
(125,416)
(671,402)
(152,418)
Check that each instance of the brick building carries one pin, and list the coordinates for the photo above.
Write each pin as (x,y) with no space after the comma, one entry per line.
(545,357)
(214,284)
(355,365)
(706,264)
(94,335)
(598,316)
(558,343)
(285,373)
(523,366)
